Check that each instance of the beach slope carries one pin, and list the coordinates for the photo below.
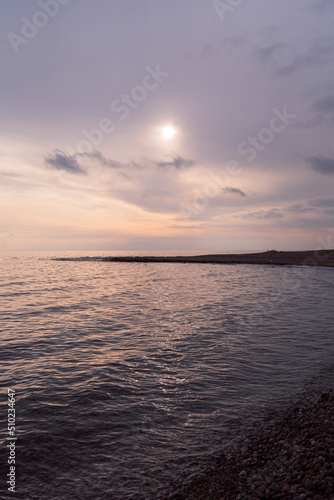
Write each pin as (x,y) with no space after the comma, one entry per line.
(291,459)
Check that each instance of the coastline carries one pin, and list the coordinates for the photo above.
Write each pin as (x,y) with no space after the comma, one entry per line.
(323,258)
(292,458)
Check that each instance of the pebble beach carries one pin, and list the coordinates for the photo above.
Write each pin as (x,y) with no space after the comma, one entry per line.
(290,459)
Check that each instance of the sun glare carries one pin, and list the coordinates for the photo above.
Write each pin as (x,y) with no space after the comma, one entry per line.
(168,132)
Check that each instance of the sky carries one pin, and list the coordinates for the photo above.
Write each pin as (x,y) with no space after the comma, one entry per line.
(167,125)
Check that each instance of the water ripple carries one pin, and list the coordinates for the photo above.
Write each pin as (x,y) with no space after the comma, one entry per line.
(130,376)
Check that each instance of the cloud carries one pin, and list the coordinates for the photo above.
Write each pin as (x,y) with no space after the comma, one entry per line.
(309,124)
(298,209)
(323,115)
(232,190)
(326,104)
(234,41)
(186,227)
(322,206)
(321,165)
(9,174)
(272,213)
(323,202)
(322,5)
(209,51)
(325,108)
(177,162)
(319,53)
(60,161)
(266,53)
(78,164)
(309,211)
(97,155)
(152,185)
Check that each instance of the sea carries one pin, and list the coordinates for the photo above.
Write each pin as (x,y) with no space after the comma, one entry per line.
(130,379)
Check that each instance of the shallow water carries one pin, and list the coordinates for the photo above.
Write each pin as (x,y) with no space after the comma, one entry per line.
(132,376)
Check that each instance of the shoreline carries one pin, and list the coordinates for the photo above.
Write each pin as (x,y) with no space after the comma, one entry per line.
(319,258)
(291,458)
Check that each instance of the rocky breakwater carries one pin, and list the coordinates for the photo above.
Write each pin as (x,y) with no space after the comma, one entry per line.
(324,258)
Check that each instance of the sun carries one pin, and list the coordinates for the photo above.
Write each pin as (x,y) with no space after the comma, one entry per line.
(168,132)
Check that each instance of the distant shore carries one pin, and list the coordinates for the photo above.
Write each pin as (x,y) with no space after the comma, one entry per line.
(324,258)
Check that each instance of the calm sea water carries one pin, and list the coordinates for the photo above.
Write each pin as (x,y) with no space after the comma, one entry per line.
(132,377)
